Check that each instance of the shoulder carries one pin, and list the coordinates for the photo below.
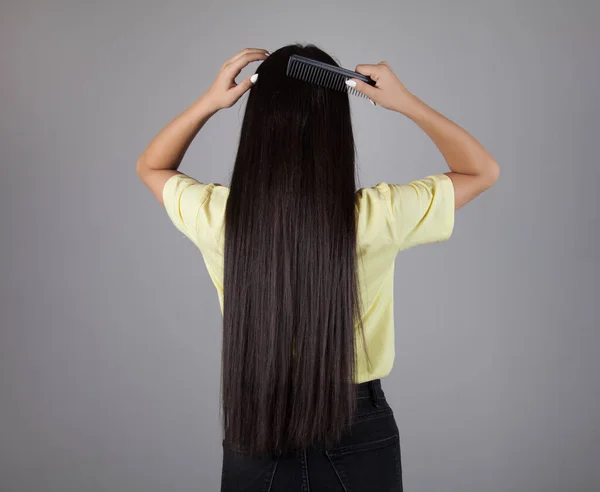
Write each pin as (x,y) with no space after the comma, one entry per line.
(371,195)
(418,190)
(181,187)
(415,212)
(194,207)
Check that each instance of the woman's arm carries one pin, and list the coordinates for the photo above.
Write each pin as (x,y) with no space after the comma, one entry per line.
(160,160)
(166,150)
(473,169)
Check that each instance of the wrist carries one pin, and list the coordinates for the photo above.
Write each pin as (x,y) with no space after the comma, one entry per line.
(207,104)
(408,104)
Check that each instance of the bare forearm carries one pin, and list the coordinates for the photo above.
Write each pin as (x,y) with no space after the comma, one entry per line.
(167,149)
(472,169)
(462,152)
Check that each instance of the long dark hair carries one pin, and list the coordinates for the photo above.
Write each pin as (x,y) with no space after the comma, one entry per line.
(291,295)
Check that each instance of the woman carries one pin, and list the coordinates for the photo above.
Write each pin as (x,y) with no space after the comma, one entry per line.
(302,262)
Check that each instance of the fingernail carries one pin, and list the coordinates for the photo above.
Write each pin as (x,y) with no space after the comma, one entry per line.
(253,78)
(267,53)
(372,103)
(350,83)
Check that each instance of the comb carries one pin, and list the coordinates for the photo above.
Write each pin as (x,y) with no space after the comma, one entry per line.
(324,74)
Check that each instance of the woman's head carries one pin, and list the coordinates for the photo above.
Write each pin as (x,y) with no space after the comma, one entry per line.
(276,91)
(291,299)
(285,116)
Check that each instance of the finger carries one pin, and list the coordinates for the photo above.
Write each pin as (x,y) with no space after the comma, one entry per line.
(364,88)
(373,71)
(242,87)
(236,66)
(242,53)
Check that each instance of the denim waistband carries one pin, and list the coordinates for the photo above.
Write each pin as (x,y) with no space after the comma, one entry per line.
(370,389)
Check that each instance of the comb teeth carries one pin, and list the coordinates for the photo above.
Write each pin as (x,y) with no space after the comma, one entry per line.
(320,75)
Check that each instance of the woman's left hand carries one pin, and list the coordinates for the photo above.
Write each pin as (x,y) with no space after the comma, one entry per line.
(224,92)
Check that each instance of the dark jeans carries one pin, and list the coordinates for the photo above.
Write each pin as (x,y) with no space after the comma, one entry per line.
(367,458)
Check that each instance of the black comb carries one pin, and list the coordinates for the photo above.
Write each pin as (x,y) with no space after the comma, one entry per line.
(324,74)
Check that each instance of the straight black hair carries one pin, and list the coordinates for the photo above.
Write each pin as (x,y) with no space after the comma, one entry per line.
(291,293)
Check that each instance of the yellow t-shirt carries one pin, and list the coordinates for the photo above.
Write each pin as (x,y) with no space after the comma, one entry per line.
(392,218)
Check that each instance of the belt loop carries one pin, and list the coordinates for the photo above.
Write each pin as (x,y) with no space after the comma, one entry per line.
(373,394)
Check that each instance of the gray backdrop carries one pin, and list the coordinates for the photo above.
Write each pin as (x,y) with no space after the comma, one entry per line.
(110,325)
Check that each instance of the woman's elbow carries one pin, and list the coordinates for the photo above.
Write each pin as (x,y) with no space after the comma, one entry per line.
(492,173)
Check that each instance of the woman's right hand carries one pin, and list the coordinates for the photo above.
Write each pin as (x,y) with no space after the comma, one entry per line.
(388,91)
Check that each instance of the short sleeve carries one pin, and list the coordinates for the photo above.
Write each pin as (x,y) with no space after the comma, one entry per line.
(184,199)
(423,210)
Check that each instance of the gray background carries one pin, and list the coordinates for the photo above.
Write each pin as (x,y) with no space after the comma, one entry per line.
(110,326)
